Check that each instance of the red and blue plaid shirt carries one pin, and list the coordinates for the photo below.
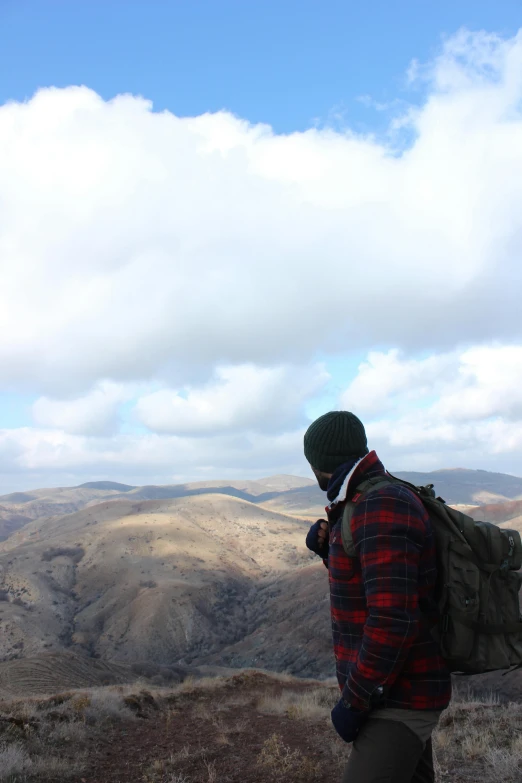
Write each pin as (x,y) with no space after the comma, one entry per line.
(383,599)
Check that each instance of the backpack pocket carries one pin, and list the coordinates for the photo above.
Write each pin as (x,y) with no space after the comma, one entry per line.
(463,603)
(514,640)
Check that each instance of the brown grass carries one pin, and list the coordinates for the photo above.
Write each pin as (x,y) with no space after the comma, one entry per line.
(311,705)
(17,764)
(168,770)
(50,738)
(285,764)
(482,738)
(35,734)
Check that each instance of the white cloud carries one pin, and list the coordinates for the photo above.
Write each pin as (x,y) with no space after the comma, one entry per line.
(135,243)
(205,263)
(385,378)
(238,398)
(95,413)
(466,404)
(489,383)
(459,409)
(32,457)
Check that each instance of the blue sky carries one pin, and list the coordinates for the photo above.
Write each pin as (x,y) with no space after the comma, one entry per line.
(183,290)
(289,63)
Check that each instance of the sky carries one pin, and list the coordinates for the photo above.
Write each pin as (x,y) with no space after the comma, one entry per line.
(219,220)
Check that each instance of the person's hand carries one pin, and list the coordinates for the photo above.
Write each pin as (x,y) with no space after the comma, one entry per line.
(347,721)
(317,538)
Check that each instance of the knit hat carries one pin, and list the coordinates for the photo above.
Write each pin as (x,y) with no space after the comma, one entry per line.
(333,439)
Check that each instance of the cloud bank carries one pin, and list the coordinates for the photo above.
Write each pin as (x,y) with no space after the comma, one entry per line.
(192,271)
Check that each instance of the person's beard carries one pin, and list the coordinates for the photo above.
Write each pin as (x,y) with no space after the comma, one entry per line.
(323,481)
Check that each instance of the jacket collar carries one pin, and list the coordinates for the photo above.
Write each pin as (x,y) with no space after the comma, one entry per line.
(366,467)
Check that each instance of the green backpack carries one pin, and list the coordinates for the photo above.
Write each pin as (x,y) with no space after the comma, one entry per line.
(479,579)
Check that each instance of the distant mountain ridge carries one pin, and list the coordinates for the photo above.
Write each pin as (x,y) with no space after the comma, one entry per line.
(107,485)
(290,494)
(19,508)
(463,486)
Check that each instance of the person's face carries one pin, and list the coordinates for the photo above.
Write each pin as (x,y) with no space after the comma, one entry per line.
(323,479)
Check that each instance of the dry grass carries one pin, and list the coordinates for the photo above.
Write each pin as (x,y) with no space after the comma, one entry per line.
(35,734)
(482,738)
(310,705)
(17,765)
(211,771)
(14,761)
(49,738)
(285,764)
(166,770)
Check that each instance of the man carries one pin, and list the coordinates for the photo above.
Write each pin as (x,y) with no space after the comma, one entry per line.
(394,683)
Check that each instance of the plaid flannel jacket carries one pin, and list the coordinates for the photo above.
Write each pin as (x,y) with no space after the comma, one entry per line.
(383,599)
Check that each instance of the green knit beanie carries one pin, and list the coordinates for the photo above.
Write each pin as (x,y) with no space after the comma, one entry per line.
(334,438)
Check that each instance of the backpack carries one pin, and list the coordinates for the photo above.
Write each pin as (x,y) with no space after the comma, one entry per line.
(477,593)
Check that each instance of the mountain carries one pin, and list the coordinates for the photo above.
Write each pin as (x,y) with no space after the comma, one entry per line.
(461,486)
(457,487)
(110,485)
(165,581)
(287,494)
(18,508)
(205,579)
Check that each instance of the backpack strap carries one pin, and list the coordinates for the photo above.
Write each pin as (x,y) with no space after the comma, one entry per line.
(378,482)
(489,628)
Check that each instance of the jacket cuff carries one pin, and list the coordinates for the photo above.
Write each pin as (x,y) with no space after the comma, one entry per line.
(363,694)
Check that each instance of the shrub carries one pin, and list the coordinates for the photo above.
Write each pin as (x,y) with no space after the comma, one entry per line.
(76,553)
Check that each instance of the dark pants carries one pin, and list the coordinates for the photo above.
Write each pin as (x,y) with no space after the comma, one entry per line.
(387,751)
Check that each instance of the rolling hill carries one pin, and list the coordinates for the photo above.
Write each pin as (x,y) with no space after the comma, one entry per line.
(19,508)
(165,581)
(210,574)
(497,512)
(473,487)
(293,495)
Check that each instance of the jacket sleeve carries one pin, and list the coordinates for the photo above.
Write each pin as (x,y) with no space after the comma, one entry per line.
(388,531)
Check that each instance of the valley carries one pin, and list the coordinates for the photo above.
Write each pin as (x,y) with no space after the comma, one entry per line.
(190,578)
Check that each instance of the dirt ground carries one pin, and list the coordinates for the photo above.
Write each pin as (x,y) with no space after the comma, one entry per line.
(217,738)
(252,727)
(224,737)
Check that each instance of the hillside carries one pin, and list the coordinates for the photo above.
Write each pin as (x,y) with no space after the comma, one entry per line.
(201,579)
(19,508)
(208,578)
(469,488)
(461,486)
(205,578)
(50,672)
(497,512)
